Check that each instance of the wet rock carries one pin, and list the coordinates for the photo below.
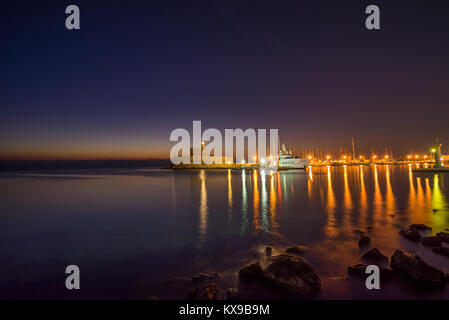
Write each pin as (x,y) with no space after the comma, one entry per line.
(419,226)
(251,271)
(364,241)
(209,292)
(411,234)
(207,275)
(412,266)
(441,250)
(292,274)
(431,241)
(443,236)
(268,251)
(297,250)
(359,270)
(374,254)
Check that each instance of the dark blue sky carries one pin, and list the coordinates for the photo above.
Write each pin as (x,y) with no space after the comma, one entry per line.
(139,69)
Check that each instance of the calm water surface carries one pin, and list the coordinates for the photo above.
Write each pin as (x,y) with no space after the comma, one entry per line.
(137,233)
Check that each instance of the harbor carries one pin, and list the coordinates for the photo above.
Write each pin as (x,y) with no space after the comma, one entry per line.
(431,161)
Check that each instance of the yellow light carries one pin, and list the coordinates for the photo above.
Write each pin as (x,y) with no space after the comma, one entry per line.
(433,150)
(374,156)
(425,157)
(254,158)
(310,157)
(262,160)
(416,156)
(344,157)
(386,157)
(409,156)
(328,157)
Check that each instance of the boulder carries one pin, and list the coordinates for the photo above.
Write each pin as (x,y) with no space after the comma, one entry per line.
(364,241)
(209,292)
(292,274)
(441,250)
(374,254)
(443,236)
(411,234)
(297,250)
(206,275)
(359,270)
(412,266)
(251,271)
(431,241)
(419,226)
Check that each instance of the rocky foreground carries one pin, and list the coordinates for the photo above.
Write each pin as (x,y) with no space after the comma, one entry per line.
(288,275)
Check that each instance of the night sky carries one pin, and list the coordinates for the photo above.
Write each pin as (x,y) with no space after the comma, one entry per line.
(136,70)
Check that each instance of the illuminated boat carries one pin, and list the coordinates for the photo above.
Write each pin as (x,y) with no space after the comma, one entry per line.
(288,161)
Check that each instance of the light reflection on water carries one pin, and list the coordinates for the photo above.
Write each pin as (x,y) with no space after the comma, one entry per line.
(159,221)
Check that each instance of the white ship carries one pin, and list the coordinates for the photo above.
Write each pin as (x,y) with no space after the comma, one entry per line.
(288,161)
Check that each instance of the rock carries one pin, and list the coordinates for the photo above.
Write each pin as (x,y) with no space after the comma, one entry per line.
(292,274)
(431,241)
(411,234)
(359,270)
(412,266)
(297,250)
(209,292)
(268,251)
(374,254)
(441,250)
(232,294)
(420,226)
(364,241)
(251,271)
(207,275)
(443,236)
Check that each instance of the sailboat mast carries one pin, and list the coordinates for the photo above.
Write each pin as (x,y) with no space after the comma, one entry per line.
(353,150)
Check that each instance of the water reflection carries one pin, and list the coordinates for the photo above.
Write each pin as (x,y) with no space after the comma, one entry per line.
(229,195)
(350,196)
(256,200)
(390,201)
(331,230)
(273,208)
(363,198)
(244,203)
(439,205)
(203,209)
(264,203)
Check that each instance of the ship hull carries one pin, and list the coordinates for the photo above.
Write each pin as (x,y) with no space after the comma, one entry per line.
(295,163)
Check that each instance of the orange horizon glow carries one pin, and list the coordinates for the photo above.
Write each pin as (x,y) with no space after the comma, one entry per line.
(53,156)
